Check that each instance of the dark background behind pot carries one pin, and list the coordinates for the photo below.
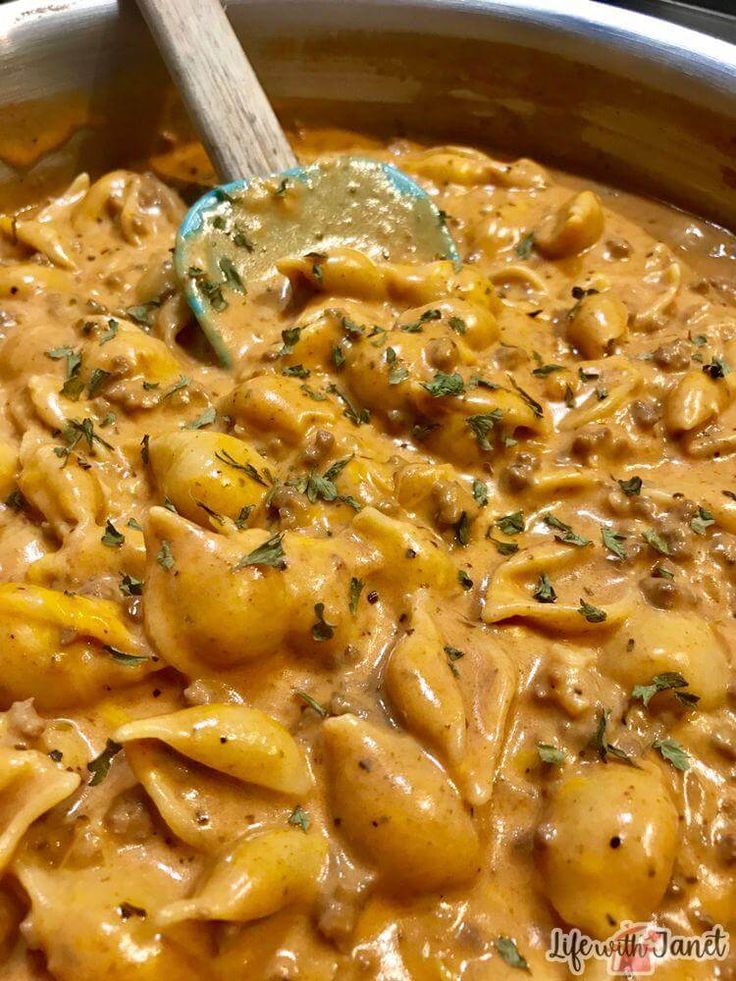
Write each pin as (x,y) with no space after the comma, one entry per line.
(716,17)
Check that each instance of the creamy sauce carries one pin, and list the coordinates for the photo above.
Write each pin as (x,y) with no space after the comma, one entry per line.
(340,659)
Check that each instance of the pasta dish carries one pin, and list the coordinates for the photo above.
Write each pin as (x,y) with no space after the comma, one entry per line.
(402,641)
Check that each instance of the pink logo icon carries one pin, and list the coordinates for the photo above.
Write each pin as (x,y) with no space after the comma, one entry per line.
(636,947)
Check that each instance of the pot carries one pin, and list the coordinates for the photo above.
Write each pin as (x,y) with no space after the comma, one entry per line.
(597,90)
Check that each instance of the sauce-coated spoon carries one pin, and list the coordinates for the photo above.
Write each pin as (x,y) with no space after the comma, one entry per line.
(269,205)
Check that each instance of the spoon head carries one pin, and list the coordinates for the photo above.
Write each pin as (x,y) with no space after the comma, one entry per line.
(232,237)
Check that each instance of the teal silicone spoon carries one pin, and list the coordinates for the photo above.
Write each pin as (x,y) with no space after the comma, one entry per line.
(269,206)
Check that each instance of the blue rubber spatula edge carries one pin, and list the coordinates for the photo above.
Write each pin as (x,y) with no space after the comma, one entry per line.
(244,140)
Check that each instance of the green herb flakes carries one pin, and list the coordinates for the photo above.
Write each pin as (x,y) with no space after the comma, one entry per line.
(99,767)
(354,591)
(443,385)
(205,419)
(702,521)
(656,542)
(270,553)
(593,614)
(568,536)
(667,681)
(613,541)
(544,591)
(631,487)
(511,524)
(480,493)
(550,754)
(299,819)
(112,537)
(524,246)
(674,753)
(164,557)
(509,952)
(481,426)
(311,703)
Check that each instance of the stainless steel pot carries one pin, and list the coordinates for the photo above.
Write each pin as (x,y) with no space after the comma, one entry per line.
(601,91)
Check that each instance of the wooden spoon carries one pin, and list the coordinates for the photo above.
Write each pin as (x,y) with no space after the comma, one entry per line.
(269,205)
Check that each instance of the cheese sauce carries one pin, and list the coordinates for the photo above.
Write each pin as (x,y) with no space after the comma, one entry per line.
(400,643)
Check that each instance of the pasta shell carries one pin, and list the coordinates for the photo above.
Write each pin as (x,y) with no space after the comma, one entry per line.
(420,684)
(86,615)
(242,742)
(256,878)
(509,593)
(397,807)
(30,785)
(201,807)
(207,468)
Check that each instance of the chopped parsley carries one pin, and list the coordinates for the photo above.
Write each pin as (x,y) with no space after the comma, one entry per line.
(164,557)
(142,313)
(613,541)
(99,767)
(397,375)
(550,754)
(205,419)
(673,753)
(453,654)
(231,274)
(631,487)
(97,379)
(112,537)
(322,487)
(243,515)
(511,524)
(299,819)
(546,369)
(462,529)
(247,468)
(600,740)
(524,246)
(354,591)
(718,368)
(112,329)
(656,542)
(464,579)
(702,521)
(531,402)
(481,426)
(296,371)
(568,536)
(416,326)
(593,614)
(74,432)
(509,952)
(290,338)
(480,493)
(443,385)
(356,415)
(667,681)
(73,385)
(544,591)
(130,659)
(503,548)
(130,586)
(178,385)
(311,703)
(270,553)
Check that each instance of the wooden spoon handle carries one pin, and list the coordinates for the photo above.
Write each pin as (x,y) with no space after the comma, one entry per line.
(227,105)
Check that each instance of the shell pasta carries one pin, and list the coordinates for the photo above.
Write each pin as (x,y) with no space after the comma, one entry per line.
(401,642)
